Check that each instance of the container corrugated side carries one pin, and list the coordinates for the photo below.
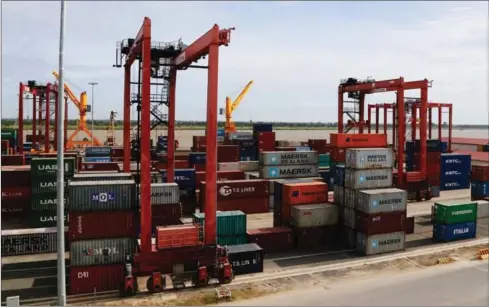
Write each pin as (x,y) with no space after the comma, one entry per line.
(289,157)
(45,202)
(229,223)
(45,219)
(102,225)
(228,166)
(93,279)
(314,215)
(454,232)
(42,167)
(101,195)
(249,166)
(382,243)
(368,179)
(102,177)
(102,251)
(29,243)
(348,217)
(230,241)
(163,193)
(290,171)
(350,197)
(338,195)
(98,151)
(369,158)
(482,209)
(381,200)
(246,258)
(455,211)
(46,185)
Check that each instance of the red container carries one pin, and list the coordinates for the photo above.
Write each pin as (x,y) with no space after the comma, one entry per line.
(265,139)
(99,166)
(432,158)
(240,189)
(100,278)
(5,145)
(198,140)
(172,212)
(247,205)
(313,192)
(365,140)
(285,148)
(272,240)
(433,177)
(338,154)
(199,167)
(177,236)
(227,153)
(409,228)
(221,176)
(16,201)
(314,237)
(379,223)
(321,146)
(13,160)
(102,225)
(181,163)
(15,177)
(480,173)
(117,152)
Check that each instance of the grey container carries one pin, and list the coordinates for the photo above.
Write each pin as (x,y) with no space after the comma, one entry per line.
(163,193)
(102,251)
(102,177)
(382,243)
(42,167)
(368,158)
(289,158)
(348,217)
(46,185)
(350,197)
(368,179)
(29,241)
(88,196)
(289,171)
(381,200)
(338,195)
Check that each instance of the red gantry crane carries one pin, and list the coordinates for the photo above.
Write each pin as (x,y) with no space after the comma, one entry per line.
(212,259)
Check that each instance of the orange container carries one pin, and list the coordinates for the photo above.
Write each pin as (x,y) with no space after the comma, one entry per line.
(177,236)
(296,194)
(344,140)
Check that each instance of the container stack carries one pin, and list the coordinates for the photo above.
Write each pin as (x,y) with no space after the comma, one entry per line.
(98,154)
(44,190)
(102,231)
(479,185)
(265,138)
(287,164)
(10,135)
(16,193)
(186,181)
(165,204)
(373,213)
(454,220)
(455,171)
(231,227)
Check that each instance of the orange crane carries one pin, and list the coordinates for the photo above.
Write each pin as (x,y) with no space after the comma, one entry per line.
(230,107)
(83,108)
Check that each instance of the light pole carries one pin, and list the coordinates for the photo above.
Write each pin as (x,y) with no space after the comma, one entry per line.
(93,100)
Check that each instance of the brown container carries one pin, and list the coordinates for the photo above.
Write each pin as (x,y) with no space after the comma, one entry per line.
(102,225)
(338,154)
(227,153)
(99,166)
(221,176)
(480,173)
(173,212)
(117,152)
(272,240)
(380,223)
(409,229)
(92,279)
(319,145)
(16,201)
(13,160)
(240,189)
(247,205)
(314,237)
(16,176)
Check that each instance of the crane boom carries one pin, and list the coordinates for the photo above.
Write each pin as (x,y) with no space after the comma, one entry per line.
(69,92)
(230,107)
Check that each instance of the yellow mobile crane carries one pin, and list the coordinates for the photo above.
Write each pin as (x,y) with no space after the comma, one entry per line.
(230,107)
(82,107)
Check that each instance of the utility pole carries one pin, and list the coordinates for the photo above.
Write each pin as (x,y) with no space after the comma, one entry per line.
(93,102)
(60,167)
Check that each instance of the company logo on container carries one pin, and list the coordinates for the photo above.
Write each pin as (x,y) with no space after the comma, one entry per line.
(181,178)
(273,172)
(225,190)
(451,173)
(103,197)
(452,184)
(453,161)
(460,231)
(100,251)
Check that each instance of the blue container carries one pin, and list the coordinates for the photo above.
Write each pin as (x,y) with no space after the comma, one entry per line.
(444,147)
(162,139)
(221,132)
(196,158)
(455,184)
(410,161)
(454,232)
(246,144)
(303,148)
(331,182)
(97,159)
(435,191)
(248,155)
(479,189)
(100,151)
(184,177)
(325,174)
(339,174)
(262,127)
(455,162)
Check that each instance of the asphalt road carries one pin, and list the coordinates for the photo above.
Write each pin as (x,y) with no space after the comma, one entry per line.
(459,284)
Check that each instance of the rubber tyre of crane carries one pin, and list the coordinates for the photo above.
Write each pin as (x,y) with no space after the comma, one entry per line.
(200,284)
(131,291)
(149,285)
(419,197)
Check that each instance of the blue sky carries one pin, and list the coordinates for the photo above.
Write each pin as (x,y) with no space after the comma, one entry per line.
(296,52)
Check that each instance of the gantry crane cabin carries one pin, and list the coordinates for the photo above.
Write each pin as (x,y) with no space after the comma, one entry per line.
(230,107)
(82,107)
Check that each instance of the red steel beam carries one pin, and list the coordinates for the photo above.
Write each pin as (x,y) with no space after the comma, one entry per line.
(450,123)
(20,143)
(34,121)
(371,87)
(171,127)
(126,137)
(65,141)
(369,117)
(47,118)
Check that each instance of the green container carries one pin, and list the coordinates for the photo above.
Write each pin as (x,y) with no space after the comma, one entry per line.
(231,240)
(45,202)
(42,167)
(324,160)
(9,133)
(454,212)
(44,219)
(229,223)
(46,185)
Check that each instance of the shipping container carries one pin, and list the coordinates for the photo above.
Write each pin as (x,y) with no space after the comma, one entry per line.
(249,166)
(381,200)
(348,237)
(101,251)
(196,158)
(272,240)
(297,193)
(290,171)
(454,184)
(369,158)
(29,241)
(455,162)
(101,195)
(350,198)
(246,258)
(289,158)
(262,127)
(477,189)
(46,201)
(240,189)
(338,172)
(454,232)
(47,167)
(222,176)
(177,236)
(163,193)
(227,153)
(314,215)
(381,243)
(228,241)
(435,191)
(229,223)
(482,209)
(480,173)
(338,155)
(228,166)
(15,195)
(13,160)
(455,211)
(45,219)
(95,279)
(379,223)
(99,166)
(348,217)
(339,195)
(172,211)
(368,179)
(98,151)
(102,225)
(314,237)
(246,205)
(348,140)
(102,177)
(16,176)
(97,159)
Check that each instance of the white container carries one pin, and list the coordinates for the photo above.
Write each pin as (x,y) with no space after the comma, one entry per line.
(315,215)
(482,209)
(382,243)
(290,171)
(368,158)
(348,217)
(381,200)
(249,166)
(228,166)
(350,198)
(289,158)
(368,179)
